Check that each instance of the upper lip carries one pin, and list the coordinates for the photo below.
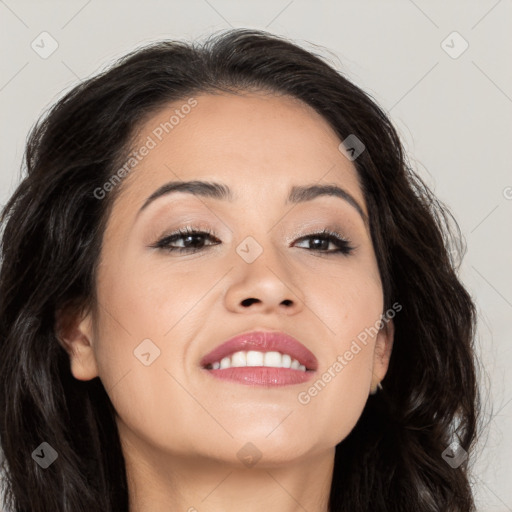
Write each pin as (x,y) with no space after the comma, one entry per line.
(263,341)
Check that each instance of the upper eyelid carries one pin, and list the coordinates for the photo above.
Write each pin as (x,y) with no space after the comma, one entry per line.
(212,232)
(343,223)
(325,232)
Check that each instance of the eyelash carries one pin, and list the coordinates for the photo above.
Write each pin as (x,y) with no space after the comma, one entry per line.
(344,246)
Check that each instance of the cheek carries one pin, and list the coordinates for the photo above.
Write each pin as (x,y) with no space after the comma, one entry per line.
(145,325)
(338,394)
(137,366)
(350,306)
(348,300)
(147,301)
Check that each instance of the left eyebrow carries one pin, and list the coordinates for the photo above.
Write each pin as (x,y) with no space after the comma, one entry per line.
(220,191)
(310,192)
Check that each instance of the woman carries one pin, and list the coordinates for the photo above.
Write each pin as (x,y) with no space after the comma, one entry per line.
(223,288)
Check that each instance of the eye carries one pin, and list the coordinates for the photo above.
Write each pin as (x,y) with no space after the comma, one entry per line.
(320,242)
(190,239)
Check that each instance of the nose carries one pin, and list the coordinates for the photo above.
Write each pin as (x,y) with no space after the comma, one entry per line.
(266,285)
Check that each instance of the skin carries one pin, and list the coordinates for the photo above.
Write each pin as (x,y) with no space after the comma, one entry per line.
(180,428)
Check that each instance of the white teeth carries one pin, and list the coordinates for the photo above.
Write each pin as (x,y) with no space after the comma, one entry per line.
(239,359)
(256,358)
(272,359)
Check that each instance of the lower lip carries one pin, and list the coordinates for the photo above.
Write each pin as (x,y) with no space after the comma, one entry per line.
(262,375)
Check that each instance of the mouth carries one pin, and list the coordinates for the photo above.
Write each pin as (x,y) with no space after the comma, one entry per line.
(261,358)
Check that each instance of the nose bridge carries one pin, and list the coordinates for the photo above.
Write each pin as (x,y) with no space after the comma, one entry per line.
(261,253)
(263,274)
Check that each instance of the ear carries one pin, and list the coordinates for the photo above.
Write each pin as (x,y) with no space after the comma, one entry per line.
(74,331)
(382,353)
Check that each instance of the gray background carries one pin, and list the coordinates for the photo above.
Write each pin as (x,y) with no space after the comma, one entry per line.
(454,115)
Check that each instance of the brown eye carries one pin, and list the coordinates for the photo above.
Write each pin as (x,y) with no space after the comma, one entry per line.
(320,242)
(191,240)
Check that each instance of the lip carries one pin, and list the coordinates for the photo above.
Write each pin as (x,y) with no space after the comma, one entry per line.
(263,341)
(262,375)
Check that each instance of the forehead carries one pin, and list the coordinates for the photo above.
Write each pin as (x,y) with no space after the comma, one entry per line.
(258,143)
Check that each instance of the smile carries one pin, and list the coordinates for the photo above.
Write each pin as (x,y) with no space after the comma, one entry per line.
(256,358)
(265,358)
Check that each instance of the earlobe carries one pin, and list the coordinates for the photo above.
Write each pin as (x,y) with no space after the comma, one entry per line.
(382,354)
(75,332)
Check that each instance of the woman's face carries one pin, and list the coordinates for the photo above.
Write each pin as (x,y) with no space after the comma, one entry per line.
(161,310)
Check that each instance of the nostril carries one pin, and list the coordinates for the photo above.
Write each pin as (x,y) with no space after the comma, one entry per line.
(248,302)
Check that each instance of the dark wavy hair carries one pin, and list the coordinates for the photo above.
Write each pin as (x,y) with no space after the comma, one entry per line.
(52,229)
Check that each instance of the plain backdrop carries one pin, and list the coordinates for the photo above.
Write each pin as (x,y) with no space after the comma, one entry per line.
(441,69)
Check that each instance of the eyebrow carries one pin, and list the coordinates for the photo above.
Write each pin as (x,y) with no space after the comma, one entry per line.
(220,191)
